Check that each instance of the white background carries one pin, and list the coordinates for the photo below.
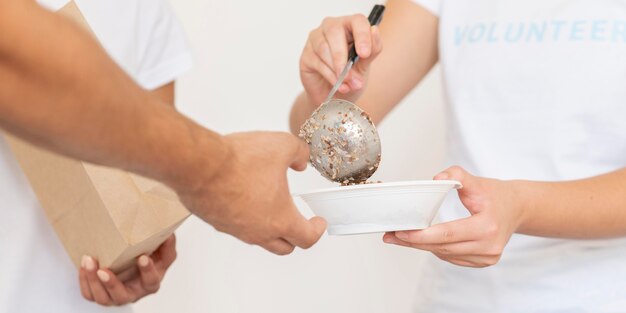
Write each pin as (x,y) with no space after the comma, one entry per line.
(246,77)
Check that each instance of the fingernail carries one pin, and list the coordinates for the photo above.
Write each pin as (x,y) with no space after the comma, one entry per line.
(402,235)
(143,261)
(104,276)
(88,263)
(356,83)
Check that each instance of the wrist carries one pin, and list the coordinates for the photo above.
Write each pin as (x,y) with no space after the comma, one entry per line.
(522,199)
(203,155)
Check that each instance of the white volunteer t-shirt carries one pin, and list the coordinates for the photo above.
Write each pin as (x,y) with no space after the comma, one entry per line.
(535,90)
(146,40)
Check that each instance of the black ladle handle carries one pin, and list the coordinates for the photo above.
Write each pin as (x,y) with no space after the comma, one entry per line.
(375,17)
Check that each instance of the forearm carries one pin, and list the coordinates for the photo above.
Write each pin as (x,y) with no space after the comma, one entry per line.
(60,90)
(587,208)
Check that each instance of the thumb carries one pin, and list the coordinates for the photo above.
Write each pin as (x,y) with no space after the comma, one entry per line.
(363,65)
(301,155)
(359,73)
(471,188)
(467,180)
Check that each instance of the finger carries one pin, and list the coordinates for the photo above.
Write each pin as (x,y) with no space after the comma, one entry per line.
(359,72)
(100,295)
(377,42)
(312,62)
(150,277)
(458,173)
(454,249)
(305,233)
(165,255)
(361,31)
(278,246)
(455,261)
(453,172)
(444,253)
(462,260)
(344,88)
(465,229)
(128,274)
(363,65)
(84,284)
(116,289)
(300,154)
(355,81)
(337,40)
(391,238)
(321,49)
(471,260)
(472,192)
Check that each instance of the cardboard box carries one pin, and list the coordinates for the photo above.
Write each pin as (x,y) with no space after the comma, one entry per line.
(106,213)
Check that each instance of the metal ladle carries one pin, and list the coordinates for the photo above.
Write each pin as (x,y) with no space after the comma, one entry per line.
(345,146)
(344,143)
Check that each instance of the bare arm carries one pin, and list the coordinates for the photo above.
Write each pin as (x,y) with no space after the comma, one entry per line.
(409,34)
(61,91)
(48,80)
(166,93)
(588,208)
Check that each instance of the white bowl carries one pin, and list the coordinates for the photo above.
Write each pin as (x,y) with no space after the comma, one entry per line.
(383,207)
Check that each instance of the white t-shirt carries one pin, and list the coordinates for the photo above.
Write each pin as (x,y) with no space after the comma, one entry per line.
(535,90)
(146,40)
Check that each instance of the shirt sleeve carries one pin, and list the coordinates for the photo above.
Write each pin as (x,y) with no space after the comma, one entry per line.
(434,6)
(53,5)
(164,53)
